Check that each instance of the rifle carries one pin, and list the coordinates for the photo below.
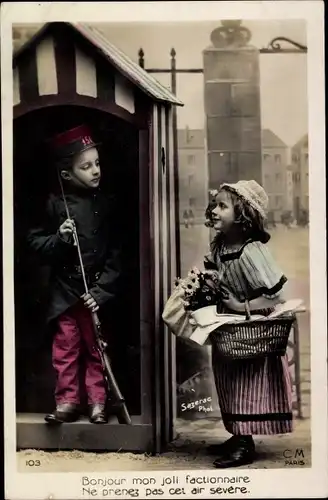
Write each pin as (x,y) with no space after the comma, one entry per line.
(122,413)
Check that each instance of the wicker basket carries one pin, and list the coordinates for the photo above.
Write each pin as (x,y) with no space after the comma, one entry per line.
(251,339)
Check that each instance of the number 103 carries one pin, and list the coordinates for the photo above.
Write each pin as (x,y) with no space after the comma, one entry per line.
(33,463)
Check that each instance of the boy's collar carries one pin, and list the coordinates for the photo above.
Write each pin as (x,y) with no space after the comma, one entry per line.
(70,188)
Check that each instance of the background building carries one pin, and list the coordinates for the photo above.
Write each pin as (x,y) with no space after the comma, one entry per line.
(22,33)
(290,190)
(274,172)
(300,166)
(192,174)
(285,182)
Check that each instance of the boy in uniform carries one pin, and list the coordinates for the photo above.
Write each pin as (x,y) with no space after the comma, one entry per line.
(93,215)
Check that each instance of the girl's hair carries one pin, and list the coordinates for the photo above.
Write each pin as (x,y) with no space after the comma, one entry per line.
(249,220)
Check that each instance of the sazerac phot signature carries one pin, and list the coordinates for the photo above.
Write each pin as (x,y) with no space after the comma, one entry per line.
(201,405)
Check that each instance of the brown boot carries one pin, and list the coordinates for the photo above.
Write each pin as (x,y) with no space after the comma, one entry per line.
(64,412)
(98,413)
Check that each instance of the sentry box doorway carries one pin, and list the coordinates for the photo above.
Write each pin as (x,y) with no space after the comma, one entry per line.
(65,75)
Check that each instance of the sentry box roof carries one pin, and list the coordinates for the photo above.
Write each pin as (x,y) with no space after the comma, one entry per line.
(77,59)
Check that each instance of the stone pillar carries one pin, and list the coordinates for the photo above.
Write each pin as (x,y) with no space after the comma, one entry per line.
(232,105)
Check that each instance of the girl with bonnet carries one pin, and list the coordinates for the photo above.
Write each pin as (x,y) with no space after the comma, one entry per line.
(255,396)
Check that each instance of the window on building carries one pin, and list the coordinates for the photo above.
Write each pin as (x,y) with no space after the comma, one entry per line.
(277,158)
(278,201)
(191,159)
(278,177)
(235,170)
(190,179)
(192,202)
(295,158)
(306,156)
(189,136)
(266,156)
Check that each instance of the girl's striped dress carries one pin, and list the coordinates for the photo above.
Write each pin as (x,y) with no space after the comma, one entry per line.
(255,396)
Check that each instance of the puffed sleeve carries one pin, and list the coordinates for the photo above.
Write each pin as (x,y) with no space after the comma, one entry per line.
(260,270)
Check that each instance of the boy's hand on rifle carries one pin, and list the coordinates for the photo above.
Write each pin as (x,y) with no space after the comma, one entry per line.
(90,302)
(66,230)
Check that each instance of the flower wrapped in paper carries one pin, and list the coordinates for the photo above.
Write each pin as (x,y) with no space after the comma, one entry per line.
(201,289)
(196,291)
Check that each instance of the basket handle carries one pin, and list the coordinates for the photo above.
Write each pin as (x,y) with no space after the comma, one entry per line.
(247,311)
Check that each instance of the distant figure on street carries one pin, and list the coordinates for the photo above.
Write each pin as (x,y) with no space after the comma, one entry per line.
(287,218)
(191,217)
(270,222)
(186,218)
(303,219)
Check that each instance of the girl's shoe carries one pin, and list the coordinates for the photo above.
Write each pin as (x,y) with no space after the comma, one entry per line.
(223,448)
(241,453)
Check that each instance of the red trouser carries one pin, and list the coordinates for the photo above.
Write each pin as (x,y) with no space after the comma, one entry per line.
(74,343)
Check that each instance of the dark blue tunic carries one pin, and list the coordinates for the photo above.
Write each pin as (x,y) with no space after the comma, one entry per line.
(99,236)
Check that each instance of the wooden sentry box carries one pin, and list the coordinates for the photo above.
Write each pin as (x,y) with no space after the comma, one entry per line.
(68,73)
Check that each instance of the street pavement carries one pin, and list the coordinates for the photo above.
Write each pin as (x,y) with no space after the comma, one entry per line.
(187,452)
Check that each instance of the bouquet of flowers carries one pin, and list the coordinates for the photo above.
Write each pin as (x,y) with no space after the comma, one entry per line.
(197,291)
(201,289)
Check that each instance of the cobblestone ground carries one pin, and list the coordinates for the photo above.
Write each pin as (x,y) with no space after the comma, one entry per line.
(188,451)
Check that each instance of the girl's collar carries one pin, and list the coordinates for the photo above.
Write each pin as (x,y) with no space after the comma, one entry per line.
(226,254)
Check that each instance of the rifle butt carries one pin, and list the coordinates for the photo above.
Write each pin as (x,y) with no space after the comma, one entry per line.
(123,416)
(121,409)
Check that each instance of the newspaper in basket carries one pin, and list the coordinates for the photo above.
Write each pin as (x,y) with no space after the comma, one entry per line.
(254,337)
